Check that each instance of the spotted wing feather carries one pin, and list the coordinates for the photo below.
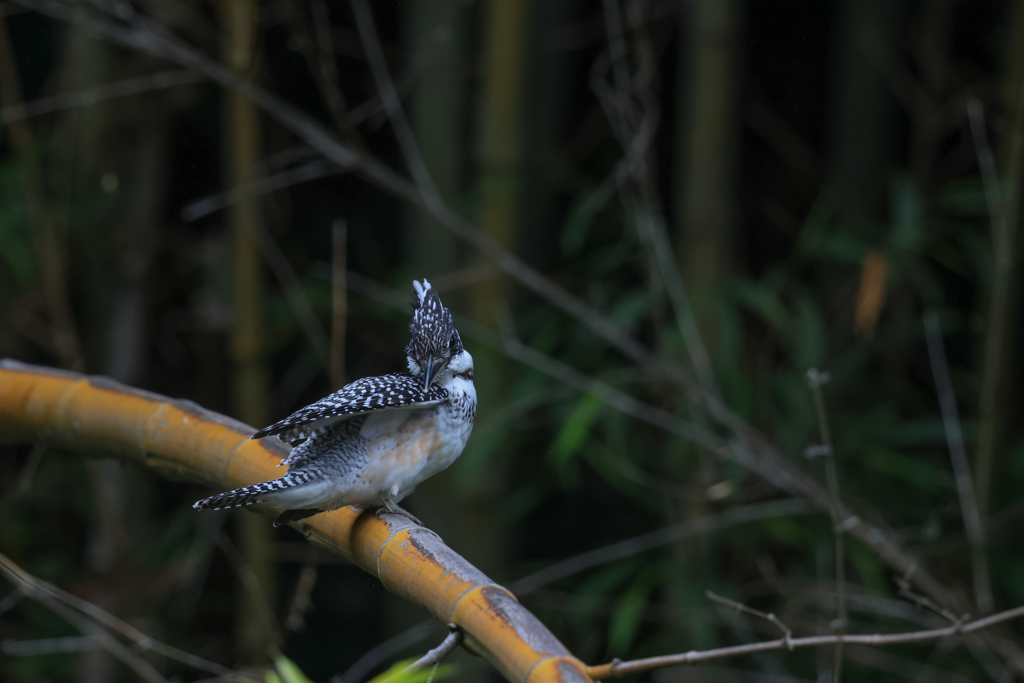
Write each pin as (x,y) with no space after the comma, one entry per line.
(249,495)
(358,398)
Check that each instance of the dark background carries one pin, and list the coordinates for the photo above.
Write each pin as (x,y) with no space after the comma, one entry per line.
(821,174)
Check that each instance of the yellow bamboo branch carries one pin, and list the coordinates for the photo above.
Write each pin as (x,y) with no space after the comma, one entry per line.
(180,440)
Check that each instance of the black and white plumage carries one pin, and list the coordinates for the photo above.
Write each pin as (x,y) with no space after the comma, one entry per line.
(362,396)
(376,439)
(432,333)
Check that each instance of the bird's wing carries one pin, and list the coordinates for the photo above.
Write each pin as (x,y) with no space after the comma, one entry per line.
(388,392)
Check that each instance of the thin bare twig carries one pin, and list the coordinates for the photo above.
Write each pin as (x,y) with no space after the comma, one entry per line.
(816,379)
(748,447)
(339,301)
(40,590)
(588,560)
(25,477)
(776,470)
(653,539)
(329,80)
(923,601)
(1000,313)
(435,656)
(142,34)
(987,166)
(12,599)
(271,253)
(294,293)
(252,586)
(740,607)
(562,372)
(49,245)
(393,105)
(634,126)
(101,93)
(958,458)
(103,639)
(299,604)
(313,170)
(617,669)
(384,651)
(46,646)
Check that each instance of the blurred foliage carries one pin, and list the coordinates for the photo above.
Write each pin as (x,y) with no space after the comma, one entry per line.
(286,672)
(397,673)
(549,472)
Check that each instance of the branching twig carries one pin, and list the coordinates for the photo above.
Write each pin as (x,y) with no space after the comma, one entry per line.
(617,669)
(787,633)
(783,476)
(634,125)
(748,446)
(958,457)
(41,590)
(147,37)
(925,602)
(103,639)
(558,370)
(269,250)
(384,651)
(392,104)
(296,296)
(588,560)
(435,656)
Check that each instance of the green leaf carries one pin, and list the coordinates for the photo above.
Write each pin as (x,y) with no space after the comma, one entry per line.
(398,674)
(809,335)
(907,214)
(629,308)
(575,430)
(842,248)
(965,198)
(765,303)
(914,472)
(631,608)
(588,204)
(818,220)
(287,672)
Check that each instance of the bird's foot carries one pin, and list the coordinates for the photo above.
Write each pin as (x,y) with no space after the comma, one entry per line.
(289,516)
(393,508)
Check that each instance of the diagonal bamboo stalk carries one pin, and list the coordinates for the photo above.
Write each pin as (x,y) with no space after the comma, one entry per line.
(180,440)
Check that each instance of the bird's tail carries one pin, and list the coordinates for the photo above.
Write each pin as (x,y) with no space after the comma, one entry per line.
(257,493)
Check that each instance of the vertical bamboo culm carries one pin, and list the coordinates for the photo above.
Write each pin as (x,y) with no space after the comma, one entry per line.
(250,379)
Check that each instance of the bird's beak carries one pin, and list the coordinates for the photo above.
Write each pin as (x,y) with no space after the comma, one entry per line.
(429,373)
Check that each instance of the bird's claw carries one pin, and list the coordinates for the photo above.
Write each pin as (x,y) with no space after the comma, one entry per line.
(395,510)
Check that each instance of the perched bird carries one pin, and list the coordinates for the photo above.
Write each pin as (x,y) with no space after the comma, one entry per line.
(373,441)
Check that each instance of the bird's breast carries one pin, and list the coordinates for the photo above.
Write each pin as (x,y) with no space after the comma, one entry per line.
(404,452)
